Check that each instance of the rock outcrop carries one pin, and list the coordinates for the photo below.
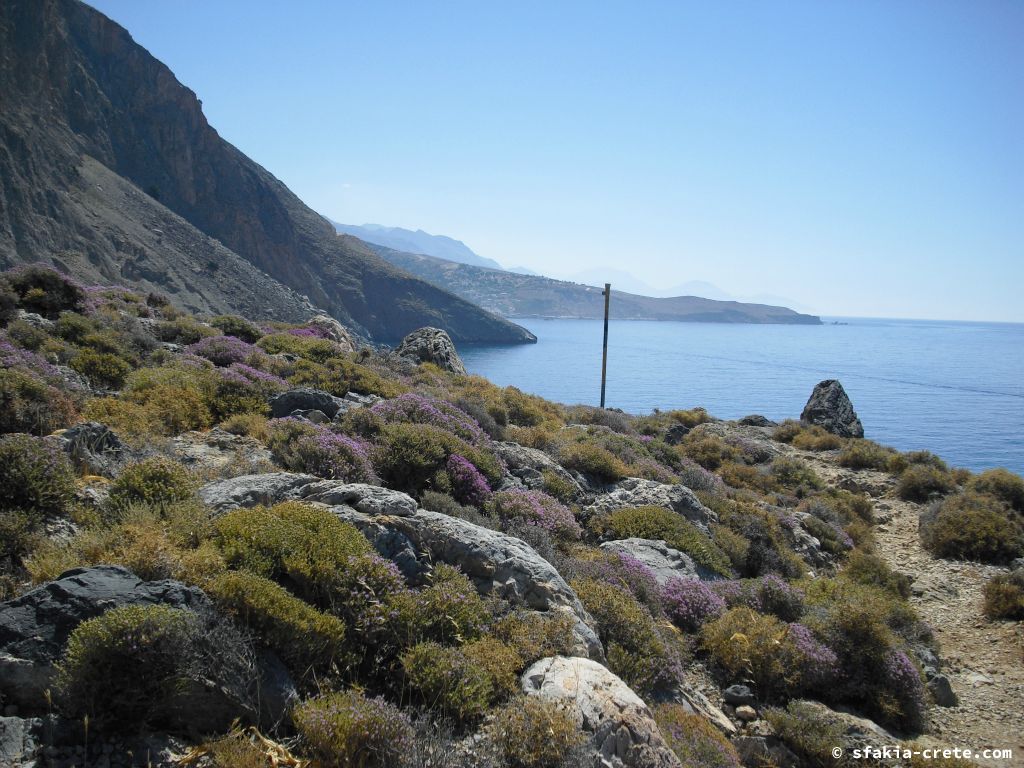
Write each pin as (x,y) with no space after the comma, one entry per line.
(622,730)
(300,400)
(414,538)
(637,492)
(526,467)
(830,408)
(432,345)
(93,448)
(665,562)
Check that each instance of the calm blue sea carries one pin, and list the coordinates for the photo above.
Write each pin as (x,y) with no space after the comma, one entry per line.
(954,388)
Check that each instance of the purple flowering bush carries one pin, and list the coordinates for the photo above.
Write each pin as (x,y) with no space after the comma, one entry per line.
(350,729)
(536,508)
(35,474)
(302,446)
(769,594)
(412,408)
(222,351)
(621,570)
(468,485)
(695,741)
(690,603)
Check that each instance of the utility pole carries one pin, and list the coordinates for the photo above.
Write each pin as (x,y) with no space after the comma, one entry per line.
(607,293)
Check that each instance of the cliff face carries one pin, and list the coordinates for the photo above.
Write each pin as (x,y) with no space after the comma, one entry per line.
(77,89)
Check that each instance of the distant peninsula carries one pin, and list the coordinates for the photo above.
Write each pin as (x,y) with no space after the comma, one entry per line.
(512,294)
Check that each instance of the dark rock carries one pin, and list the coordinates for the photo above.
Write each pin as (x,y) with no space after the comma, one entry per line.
(674,435)
(739,695)
(314,416)
(93,447)
(757,420)
(304,399)
(830,408)
(942,692)
(432,345)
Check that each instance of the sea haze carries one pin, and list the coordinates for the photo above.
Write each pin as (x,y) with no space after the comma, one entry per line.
(953,388)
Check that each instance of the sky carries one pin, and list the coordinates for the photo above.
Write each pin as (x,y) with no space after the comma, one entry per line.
(858,157)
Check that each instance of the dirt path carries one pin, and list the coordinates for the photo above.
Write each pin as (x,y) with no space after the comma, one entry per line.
(983,660)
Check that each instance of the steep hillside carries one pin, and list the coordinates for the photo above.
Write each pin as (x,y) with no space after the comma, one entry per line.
(417,242)
(79,93)
(516,295)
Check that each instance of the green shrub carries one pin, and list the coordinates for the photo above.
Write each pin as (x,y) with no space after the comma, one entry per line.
(18,537)
(73,327)
(45,291)
(447,681)
(535,635)
(865,454)
(795,474)
(536,733)
(340,375)
(559,487)
(865,568)
(239,327)
(101,369)
(35,475)
(816,438)
(707,450)
(124,668)
(30,405)
(449,610)
(302,543)
(695,741)
(27,336)
(661,523)
(500,662)
(8,302)
(1004,596)
(787,431)
(350,730)
(919,482)
(305,639)
(972,526)
(156,481)
(647,655)
(413,457)
(1002,484)
(183,330)
(307,347)
(805,729)
(591,459)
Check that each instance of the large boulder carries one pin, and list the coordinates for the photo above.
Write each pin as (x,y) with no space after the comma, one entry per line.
(415,538)
(665,562)
(215,450)
(19,741)
(637,492)
(621,728)
(35,627)
(526,468)
(304,399)
(331,329)
(830,408)
(432,345)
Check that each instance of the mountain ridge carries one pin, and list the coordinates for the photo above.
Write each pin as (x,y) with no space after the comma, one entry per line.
(418,241)
(79,90)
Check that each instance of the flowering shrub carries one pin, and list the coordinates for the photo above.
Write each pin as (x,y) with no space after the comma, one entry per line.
(336,457)
(694,739)
(690,604)
(239,327)
(536,733)
(412,457)
(468,485)
(156,481)
(350,730)
(412,408)
(818,664)
(621,570)
(903,697)
(536,508)
(44,290)
(101,369)
(449,610)
(222,351)
(445,679)
(35,475)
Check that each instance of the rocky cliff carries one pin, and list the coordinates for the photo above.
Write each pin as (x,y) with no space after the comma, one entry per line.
(109,169)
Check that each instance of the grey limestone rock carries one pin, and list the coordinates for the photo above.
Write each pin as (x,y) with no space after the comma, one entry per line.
(432,345)
(830,408)
(666,563)
(305,399)
(527,465)
(637,492)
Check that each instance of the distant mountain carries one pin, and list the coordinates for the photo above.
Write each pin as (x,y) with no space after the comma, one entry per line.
(700,288)
(110,171)
(417,242)
(516,295)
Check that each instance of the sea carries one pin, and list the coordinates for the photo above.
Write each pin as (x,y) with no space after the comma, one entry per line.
(953,388)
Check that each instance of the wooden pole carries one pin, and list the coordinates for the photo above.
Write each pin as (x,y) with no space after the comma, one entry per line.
(607,293)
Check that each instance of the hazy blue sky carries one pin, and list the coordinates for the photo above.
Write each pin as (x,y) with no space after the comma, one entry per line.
(860,157)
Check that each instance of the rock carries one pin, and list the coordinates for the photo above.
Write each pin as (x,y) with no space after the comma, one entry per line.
(35,320)
(674,435)
(414,538)
(738,695)
(216,450)
(304,399)
(765,750)
(697,703)
(93,448)
(35,626)
(432,345)
(858,732)
(18,741)
(757,420)
(622,730)
(333,330)
(746,713)
(314,416)
(942,691)
(830,408)
(527,465)
(637,492)
(666,563)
